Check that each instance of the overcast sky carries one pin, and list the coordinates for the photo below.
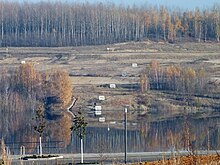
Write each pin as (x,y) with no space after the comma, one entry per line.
(183,4)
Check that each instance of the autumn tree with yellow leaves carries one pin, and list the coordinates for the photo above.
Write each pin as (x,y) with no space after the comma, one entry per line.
(22,90)
(176,78)
(60,86)
(27,79)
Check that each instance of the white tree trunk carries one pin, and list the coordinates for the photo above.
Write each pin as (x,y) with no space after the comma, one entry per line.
(81,141)
(40,147)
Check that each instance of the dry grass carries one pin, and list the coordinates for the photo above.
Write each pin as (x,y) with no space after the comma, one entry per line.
(187,160)
(92,66)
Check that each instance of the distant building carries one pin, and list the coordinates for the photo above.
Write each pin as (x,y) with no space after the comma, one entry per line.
(134,65)
(23,62)
(98,113)
(102,119)
(110,49)
(98,108)
(112,86)
(102,98)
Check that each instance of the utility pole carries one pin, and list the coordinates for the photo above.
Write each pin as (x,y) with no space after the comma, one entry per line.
(125,133)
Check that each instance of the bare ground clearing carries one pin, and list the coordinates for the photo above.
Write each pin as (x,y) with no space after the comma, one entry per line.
(93,68)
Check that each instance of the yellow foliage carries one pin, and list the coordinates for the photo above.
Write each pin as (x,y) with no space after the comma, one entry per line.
(60,130)
(28,77)
(190,73)
(60,86)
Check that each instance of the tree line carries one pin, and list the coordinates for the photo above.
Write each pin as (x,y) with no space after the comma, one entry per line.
(23,92)
(174,78)
(73,24)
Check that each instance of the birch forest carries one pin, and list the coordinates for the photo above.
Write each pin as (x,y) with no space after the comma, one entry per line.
(74,24)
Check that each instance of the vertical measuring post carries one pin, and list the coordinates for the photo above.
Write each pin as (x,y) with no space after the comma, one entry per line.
(125,133)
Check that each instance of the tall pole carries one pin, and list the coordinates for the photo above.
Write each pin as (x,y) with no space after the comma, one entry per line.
(125,133)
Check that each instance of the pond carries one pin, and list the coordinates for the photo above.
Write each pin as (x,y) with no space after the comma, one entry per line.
(179,133)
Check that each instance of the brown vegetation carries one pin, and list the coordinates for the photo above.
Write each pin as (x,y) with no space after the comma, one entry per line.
(175,78)
(26,105)
(187,160)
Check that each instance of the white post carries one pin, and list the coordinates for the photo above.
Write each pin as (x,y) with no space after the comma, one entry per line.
(7,151)
(22,150)
(81,141)
(125,133)
(40,147)
(23,153)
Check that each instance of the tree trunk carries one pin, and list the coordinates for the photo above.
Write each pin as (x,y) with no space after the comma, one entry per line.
(40,147)
(200,32)
(205,35)
(81,144)
(217,37)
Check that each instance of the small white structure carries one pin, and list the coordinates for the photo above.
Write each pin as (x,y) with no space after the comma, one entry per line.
(98,113)
(110,49)
(102,119)
(102,98)
(112,122)
(23,62)
(98,108)
(134,65)
(134,124)
(112,86)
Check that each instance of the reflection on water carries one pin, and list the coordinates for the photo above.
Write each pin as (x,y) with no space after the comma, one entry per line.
(178,133)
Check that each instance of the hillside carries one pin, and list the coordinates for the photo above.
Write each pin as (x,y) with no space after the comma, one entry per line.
(93,68)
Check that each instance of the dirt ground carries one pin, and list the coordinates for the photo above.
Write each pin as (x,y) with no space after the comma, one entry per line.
(94,68)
